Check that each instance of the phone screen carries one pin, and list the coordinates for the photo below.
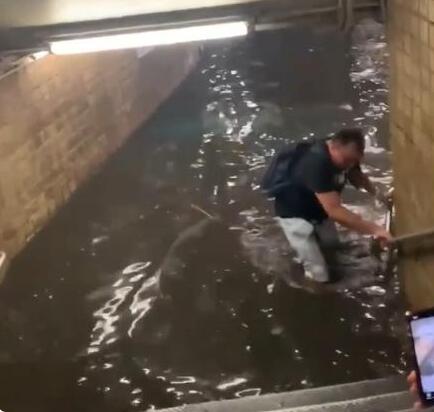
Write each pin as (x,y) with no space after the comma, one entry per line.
(423,336)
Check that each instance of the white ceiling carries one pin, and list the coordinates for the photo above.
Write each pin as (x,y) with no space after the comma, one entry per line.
(22,13)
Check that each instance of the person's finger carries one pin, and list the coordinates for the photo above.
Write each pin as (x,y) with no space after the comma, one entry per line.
(411,378)
(418,405)
(413,389)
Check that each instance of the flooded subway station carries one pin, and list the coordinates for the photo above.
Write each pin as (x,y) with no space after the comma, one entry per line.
(165,280)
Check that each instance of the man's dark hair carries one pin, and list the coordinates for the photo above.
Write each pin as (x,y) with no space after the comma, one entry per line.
(351,135)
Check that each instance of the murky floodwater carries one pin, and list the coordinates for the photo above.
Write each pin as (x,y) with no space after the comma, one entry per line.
(132,297)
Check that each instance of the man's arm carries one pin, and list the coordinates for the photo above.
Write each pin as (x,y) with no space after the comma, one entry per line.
(319,179)
(361,181)
(331,202)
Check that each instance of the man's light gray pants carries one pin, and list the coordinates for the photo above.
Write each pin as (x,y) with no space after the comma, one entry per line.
(309,242)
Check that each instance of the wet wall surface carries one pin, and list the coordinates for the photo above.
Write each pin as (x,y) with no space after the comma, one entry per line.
(133,298)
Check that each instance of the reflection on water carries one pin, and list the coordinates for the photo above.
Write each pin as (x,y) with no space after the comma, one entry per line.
(166,279)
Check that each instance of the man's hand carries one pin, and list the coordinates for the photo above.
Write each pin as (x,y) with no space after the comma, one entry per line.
(384,197)
(383,236)
(412,382)
(361,181)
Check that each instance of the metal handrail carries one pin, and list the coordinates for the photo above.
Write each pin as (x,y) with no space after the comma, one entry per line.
(3,265)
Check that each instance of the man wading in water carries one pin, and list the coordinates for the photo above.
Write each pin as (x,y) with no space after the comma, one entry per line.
(306,183)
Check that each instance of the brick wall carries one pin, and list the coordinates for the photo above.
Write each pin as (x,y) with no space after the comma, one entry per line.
(411,35)
(61,117)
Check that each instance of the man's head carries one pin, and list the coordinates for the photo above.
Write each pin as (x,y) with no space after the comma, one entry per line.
(347,148)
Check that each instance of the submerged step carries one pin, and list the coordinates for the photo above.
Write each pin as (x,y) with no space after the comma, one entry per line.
(379,403)
(302,398)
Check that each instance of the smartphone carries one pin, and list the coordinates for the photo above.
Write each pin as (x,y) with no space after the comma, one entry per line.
(422,336)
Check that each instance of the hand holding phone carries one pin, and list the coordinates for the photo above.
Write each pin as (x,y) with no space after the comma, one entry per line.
(422,334)
(412,382)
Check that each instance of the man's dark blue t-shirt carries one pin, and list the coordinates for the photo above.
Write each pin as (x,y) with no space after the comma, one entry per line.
(313,173)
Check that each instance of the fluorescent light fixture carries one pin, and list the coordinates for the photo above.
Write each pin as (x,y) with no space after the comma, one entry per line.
(150,38)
